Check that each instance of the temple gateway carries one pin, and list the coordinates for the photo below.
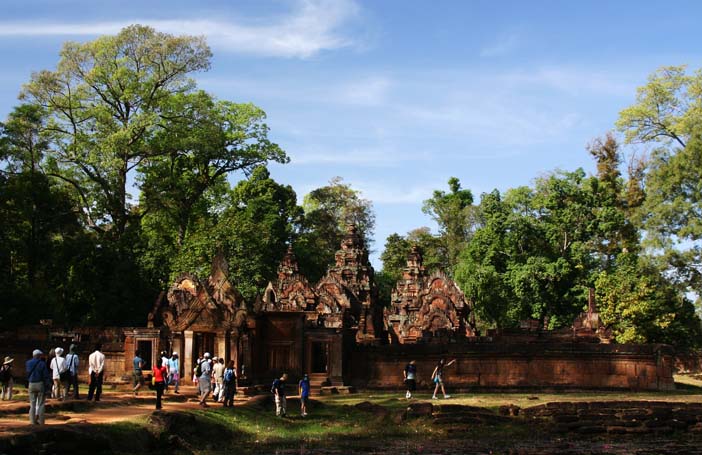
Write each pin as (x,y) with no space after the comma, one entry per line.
(339,332)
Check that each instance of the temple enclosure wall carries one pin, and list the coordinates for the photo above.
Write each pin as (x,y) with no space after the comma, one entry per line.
(518,365)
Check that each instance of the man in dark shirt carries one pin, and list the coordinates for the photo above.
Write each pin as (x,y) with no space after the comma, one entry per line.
(39,381)
(138,363)
(279,393)
(410,375)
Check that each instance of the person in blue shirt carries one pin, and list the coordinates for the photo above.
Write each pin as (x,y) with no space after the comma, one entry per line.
(39,380)
(138,375)
(174,371)
(304,387)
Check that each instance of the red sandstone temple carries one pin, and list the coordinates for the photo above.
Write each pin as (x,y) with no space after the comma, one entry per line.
(341,334)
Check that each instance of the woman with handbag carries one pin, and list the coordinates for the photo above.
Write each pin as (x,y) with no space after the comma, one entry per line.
(160,372)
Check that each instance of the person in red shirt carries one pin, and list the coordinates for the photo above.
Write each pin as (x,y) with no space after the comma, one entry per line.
(160,372)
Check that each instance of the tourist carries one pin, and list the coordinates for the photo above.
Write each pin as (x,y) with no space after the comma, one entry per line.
(437,377)
(6,378)
(164,362)
(72,363)
(204,379)
(278,390)
(39,381)
(174,371)
(229,384)
(96,367)
(304,387)
(196,369)
(160,373)
(58,370)
(52,354)
(410,375)
(218,376)
(138,375)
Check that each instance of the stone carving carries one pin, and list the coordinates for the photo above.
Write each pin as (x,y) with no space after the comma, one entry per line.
(425,307)
(191,302)
(352,277)
(589,323)
(291,291)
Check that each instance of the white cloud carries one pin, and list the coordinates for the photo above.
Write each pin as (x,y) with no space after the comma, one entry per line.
(371,91)
(380,156)
(504,45)
(310,28)
(574,81)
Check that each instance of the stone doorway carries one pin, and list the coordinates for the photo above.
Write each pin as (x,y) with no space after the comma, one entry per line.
(320,357)
(203,342)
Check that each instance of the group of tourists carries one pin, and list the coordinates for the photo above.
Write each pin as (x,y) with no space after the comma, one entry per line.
(56,375)
(410,378)
(53,375)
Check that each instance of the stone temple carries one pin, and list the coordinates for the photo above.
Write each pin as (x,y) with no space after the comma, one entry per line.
(341,334)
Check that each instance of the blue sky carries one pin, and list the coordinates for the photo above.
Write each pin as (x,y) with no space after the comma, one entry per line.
(398,96)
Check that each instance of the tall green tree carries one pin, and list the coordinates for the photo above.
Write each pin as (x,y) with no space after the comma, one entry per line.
(201,142)
(105,103)
(328,210)
(455,214)
(667,115)
(257,219)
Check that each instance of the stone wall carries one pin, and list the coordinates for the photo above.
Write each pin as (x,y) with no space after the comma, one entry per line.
(507,365)
(20,343)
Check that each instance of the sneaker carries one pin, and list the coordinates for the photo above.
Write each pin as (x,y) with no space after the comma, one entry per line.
(434,398)
(447,396)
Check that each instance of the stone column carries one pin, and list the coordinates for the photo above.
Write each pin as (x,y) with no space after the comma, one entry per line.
(221,344)
(187,355)
(179,347)
(234,348)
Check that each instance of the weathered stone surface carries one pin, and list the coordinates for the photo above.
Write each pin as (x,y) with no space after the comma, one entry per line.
(420,409)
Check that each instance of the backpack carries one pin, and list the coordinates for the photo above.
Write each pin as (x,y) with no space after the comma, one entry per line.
(5,374)
(228,375)
(198,369)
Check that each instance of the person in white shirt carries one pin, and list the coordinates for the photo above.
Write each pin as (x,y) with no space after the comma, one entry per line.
(96,367)
(58,366)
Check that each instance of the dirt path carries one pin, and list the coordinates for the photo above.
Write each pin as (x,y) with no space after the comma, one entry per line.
(114,407)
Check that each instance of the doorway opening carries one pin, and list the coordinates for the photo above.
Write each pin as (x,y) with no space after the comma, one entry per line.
(320,352)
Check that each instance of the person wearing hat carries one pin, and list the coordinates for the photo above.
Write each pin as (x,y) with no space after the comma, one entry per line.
(39,382)
(58,368)
(6,378)
(218,376)
(174,371)
(72,363)
(204,381)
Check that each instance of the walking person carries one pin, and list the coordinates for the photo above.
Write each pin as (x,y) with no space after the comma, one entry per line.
(204,379)
(96,367)
(229,385)
(278,390)
(6,379)
(410,375)
(218,376)
(58,372)
(304,387)
(138,373)
(174,371)
(164,362)
(437,377)
(72,364)
(160,373)
(39,382)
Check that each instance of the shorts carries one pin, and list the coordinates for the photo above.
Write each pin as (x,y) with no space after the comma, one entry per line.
(138,378)
(411,384)
(304,399)
(204,385)
(437,379)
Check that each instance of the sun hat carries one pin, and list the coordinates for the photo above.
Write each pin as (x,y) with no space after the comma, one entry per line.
(207,355)
(174,353)
(36,352)
(8,360)
(58,351)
